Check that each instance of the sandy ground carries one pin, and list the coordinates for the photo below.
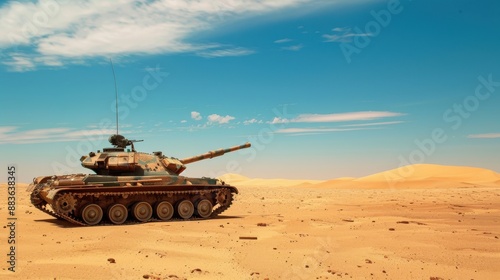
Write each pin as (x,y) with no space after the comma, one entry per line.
(309,231)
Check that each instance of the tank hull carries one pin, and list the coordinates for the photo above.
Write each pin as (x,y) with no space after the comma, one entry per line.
(107,200)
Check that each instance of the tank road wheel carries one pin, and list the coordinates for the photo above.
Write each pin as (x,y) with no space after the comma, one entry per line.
(117,214)
(204,208)
(185,209)
(164,210)
(92,214)
(64,204)
(142,211)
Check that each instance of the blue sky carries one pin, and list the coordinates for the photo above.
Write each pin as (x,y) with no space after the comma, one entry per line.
(322,89)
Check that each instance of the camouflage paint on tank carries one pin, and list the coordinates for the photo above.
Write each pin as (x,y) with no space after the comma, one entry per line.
(117,161)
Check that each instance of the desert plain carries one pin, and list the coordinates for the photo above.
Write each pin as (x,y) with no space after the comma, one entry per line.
(416,222)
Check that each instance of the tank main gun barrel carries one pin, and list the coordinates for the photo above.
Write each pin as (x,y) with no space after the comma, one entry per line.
(215,153)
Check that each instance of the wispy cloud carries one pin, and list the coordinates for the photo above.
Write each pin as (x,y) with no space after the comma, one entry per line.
(252,121)
(55,33)
(19,62)
(12,135)
(344,35)
(281,41)
(226,52)
(342,117)
(341,29)
(313,130)
(218,119)
(484,136)
(336,118)
(372,124)
(293,48)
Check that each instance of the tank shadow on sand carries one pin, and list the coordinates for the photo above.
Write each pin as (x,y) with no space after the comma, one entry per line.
(59,223)
(64,224)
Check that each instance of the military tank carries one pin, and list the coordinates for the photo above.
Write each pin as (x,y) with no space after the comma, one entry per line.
(131,187)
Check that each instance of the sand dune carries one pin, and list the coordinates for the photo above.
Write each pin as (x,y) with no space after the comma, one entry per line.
(233,178)
(240,180)
(435,172)
(320,231)
(432,176)
(419,175)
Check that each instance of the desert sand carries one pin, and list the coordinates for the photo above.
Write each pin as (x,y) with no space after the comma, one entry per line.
(424,222)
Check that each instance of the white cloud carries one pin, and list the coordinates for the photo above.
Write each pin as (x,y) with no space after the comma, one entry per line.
(345,35)
(19,62)
(6,129)
(277,120)
(56,33)
(313,130)
(183,121)
(372,124)
(294,48)
(252,121)
(226,52)
(281,41)
(332,118)
(484,136)
(214,118)
(344,117)
(341,29)
(12,135)
(196,116)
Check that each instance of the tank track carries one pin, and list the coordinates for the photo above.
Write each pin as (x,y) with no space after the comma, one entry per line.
(42,205)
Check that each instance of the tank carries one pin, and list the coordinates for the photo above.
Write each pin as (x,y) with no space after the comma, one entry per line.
(132,187)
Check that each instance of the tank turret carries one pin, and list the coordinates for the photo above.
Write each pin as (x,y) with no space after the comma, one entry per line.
(116,161)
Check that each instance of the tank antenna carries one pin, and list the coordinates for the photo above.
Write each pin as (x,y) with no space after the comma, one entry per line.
(116,94)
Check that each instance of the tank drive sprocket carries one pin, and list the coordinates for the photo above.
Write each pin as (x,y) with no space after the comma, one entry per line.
(64,204)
